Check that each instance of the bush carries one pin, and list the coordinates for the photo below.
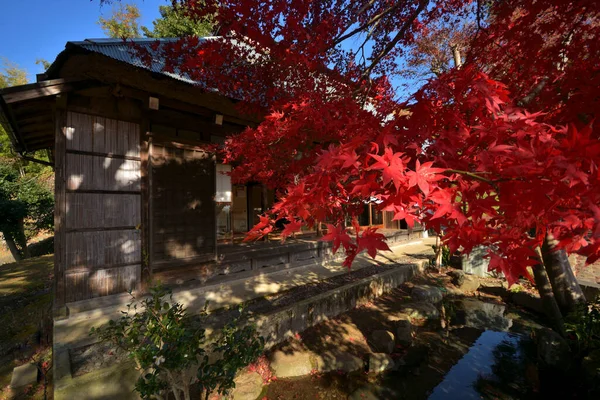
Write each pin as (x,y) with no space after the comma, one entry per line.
(583,326)
(171,351)
(26,207)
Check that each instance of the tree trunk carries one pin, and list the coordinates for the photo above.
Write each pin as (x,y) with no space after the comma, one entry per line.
(548,300)
(566,289)
(456,56)
(12,246)
(438,252)
(21,240)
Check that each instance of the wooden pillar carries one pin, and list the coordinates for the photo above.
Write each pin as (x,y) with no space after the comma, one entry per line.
(145,142)
(59,209)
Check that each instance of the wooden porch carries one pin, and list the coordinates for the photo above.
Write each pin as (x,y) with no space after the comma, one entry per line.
(235,260)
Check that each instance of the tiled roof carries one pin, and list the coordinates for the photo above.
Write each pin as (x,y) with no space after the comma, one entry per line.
(121,50)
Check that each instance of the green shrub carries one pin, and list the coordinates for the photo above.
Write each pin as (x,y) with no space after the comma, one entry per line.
(171,351)
(583,326)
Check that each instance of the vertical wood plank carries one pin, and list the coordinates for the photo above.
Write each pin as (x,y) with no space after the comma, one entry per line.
(80,135)
(99,136)
(111,131)
(61,124)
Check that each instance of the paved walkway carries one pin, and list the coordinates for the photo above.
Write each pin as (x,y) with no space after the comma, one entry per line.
(585,273)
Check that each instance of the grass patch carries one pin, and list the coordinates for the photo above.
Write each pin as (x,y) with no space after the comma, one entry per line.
(25,301)
(25,297)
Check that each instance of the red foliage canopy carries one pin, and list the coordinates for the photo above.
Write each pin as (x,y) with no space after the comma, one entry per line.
(496,152)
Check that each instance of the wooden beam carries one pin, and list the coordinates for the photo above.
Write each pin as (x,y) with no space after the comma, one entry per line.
(23,122)
(37,134)
(38,90)
(36,85)
(37,93)
(32,108)
(43,146)
(39,142)
(190,122)
(36,128)
(177,142)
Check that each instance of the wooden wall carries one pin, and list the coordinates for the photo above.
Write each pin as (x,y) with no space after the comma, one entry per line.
(98,206)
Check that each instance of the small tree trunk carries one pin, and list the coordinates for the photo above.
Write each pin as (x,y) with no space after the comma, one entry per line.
(566,289)
(548,300)
(438,252)
(12,246)
(21,240)
(456,56)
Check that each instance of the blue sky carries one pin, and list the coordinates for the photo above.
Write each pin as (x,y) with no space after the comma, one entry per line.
(33,29)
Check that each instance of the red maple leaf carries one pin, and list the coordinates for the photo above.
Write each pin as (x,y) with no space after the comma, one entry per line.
(291,228)
(337,235)
(372,241)
(391,166)
(423,175)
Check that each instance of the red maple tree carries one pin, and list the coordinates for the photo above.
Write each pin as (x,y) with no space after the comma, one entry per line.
(501,152)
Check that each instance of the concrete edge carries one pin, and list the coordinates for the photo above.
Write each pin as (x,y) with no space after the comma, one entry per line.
(305,313)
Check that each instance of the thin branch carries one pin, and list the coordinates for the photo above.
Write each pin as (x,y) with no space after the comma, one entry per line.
(373,20)
(537,89)
(390,46)
(475,176)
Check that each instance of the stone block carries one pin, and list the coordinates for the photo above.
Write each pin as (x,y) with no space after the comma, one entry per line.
(404,331)
(421,311)
(380,362)
(294,363)
(248,386)
(527,301)
(458,277)
(24,375)
(339,361)
(470,283)
(476,263)
(382,341)
(427,293)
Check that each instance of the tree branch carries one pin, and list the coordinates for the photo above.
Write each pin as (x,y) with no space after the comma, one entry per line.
(474,176)
(390,46)
(366,24)
(534,92)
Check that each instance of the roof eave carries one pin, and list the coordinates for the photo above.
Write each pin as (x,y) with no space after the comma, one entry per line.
(10,126)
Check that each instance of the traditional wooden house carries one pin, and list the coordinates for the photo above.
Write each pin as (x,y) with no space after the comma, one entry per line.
(136,194)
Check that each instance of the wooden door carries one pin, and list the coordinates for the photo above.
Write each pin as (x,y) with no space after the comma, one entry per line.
(182,205)
(98,208)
